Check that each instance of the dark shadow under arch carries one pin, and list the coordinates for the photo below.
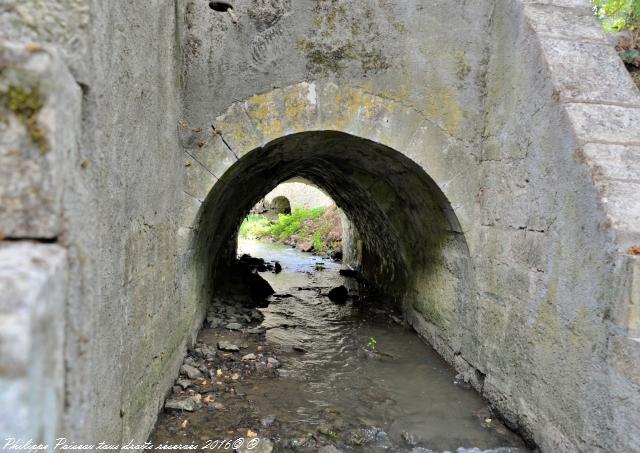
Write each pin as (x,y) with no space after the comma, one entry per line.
(413,247)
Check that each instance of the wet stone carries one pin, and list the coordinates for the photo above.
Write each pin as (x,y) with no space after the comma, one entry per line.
(184,383)
(228,346)
(339,295)
(191,371)
(234,326)
(189,404)
(267,421)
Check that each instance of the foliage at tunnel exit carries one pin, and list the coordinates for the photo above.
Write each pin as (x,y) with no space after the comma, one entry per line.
(617,15)
(306,224)
(623,16)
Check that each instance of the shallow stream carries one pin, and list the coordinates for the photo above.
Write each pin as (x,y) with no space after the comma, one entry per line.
(350,376)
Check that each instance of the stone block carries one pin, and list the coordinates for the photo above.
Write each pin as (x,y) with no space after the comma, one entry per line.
(39,126)
(555,19)
(588,72)
(613,161)
(33,287)
(606,123)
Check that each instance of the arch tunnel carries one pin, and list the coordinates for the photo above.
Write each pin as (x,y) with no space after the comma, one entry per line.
(413,248)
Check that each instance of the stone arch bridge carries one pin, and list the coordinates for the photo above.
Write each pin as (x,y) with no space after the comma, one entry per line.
(486,152)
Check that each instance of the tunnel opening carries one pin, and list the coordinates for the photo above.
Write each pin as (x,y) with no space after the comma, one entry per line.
(281,205)
(409,244)
(299,214)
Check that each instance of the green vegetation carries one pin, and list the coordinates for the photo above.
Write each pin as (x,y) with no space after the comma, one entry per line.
(618,15)
(255,227)
(294,224)
(301,225)
(371,345)
(622,16)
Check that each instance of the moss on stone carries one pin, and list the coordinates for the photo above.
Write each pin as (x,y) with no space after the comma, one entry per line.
(26,103)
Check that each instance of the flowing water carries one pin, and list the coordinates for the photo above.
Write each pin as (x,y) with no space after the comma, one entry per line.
(331,389)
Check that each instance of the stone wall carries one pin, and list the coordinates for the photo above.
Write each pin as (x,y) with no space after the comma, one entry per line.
(486,152)
(104,185)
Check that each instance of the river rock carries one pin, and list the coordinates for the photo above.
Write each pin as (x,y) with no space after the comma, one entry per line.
(263,446)
(184,383)
(214,321)
(189,404)
(348,273)
(234,326)
(272,363)
(305,245)
(190,371)
(256,315)
(338,294)
(227,346)
(267,420)
(247,357)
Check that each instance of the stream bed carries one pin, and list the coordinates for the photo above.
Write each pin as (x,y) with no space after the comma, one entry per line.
(312,375)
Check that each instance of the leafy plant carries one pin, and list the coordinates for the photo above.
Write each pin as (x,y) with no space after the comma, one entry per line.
(371,345)
(255,227)
(622,16)
(618,15)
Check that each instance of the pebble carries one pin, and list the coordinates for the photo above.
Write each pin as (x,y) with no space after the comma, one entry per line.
(250,356)
(268,420)
(215,322)
(255,331)
(273,362)
(234,326)
(228,346)
(184,383)
(339,294)
(190,371)
(188,404)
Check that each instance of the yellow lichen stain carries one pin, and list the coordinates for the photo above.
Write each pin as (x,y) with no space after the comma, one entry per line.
(26,103)
(263,109)
(353,103)
(297,107)
(236,129)
(443,105)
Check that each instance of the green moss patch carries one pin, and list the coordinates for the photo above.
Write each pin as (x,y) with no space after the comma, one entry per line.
(26,103)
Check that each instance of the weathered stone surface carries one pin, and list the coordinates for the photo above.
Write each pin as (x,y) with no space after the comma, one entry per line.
(39,127)
(33,288)
(480,172)
(569,60)
(228,346)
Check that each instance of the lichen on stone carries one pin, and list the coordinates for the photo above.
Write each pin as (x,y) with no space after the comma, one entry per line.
(25,103)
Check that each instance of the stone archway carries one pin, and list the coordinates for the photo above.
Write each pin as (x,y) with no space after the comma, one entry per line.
(384,163)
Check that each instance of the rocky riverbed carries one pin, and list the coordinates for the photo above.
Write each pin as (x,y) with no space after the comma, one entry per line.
(307,374)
